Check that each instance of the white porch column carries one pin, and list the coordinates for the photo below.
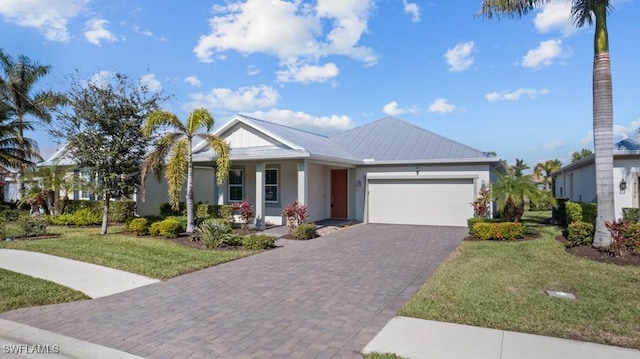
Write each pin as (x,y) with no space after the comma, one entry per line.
(303,181)
(260,207)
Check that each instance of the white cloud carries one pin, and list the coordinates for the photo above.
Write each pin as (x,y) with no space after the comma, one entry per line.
(308,73)
(555,15)
(95,32)
(150,82)
(317,124)
(101,78)
(147,33)
(193,81)
(459,58)
(442,105)
(515,95)
(242,99)
(392,109)
(48,16)
(619,132)
(253,70)
(552,145)
(412,9)
(298,33)
(544,54)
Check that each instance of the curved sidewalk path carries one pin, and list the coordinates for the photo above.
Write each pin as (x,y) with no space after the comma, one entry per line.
(327,297)
(93,280)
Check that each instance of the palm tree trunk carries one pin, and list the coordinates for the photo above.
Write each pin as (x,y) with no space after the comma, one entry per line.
(190,201)
(105,214)
(603,128)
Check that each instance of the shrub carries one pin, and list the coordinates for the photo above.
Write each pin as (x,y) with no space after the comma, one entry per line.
(589,212)
(574,212)
(9,215)
(33,226)
(87,216)
(296,214)
(541,205)
(216,233)
(632,237)
(167,211)
(154,228)
(207,211)
(499,231)
(474,220)
(182,221)
(61,219)
(245,211)
(226,212)
(169,228)
(631,215)
(305,231)
(482,204)
(258,241)
(73,205)
(139,226)
(579,233)
(618,244)
(121,211)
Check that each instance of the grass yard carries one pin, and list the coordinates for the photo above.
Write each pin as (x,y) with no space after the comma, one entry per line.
(149,256)
(501,285)
(19,290)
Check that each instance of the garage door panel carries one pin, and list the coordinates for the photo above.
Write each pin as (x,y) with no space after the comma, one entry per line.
(420,201)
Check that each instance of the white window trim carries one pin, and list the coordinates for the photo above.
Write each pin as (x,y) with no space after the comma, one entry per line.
(229,185)
(277,184)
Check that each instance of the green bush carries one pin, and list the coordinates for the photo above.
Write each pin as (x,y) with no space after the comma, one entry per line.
(206,211)
(542,205)
(632,237)
(259,241)
(73,205)
(574,212)
(305,231)
(61,219)
(215,233)
(226,212)
(139,226)
(154,228)
(182,221)
(33,226)
(167,211)
(9,215)
(498,231)
(579,233)
(474,220)
(589,212)
(121,211)
(87,216)
(631,215)
(169,228)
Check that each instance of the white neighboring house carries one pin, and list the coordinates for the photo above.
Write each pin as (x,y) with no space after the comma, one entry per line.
(387,171)
(577,180)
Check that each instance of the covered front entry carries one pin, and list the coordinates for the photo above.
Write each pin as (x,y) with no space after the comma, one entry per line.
(444,202)
(339,199)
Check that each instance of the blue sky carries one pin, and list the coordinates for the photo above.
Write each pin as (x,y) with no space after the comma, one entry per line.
(521,88)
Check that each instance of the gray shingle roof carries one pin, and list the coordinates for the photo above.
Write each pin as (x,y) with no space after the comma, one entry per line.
(391,139)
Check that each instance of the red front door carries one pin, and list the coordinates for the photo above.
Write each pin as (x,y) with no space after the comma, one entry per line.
(339,194)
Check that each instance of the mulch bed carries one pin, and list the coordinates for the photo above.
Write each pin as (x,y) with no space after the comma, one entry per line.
(600,255)
(33,238)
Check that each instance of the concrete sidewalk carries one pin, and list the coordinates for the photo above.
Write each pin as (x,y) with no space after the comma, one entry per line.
(416,339)
(94,280)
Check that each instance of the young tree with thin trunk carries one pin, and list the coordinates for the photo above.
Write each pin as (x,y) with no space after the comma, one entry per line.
(585,12)
(175,147)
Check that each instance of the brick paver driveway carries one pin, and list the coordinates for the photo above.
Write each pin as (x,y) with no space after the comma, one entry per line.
(323,298)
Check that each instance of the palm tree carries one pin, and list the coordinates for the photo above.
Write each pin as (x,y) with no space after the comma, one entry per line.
(545,170)
(51,180)
(518,167)
(510,192)
(176,147)
(16,152)
(585,12)
(577,155)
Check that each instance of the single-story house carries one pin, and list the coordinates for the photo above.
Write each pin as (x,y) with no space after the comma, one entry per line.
(577,180)
(387,171)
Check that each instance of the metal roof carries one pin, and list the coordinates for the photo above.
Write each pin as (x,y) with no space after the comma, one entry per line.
(252,153)
(391,139)
(630,144)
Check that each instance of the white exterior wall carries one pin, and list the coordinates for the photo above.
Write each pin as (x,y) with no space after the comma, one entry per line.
(318,192)
(479,172)
(629,170)
(241,137)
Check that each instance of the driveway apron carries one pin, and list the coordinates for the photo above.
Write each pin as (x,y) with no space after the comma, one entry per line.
(323,298)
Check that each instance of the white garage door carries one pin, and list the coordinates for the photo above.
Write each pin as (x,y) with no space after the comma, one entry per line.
(443,202)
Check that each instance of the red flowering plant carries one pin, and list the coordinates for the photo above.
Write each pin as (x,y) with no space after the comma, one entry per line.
(296,213)
(482,205)
(245,212)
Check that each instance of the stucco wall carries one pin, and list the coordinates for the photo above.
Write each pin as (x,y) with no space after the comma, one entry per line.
(318,192)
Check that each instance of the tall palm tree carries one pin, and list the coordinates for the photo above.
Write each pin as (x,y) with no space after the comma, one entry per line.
(16,152)
(510,192)
(585,12)
(519,167)
(176,147)
(545,169)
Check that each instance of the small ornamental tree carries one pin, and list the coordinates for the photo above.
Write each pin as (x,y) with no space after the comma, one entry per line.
(482,205)
(296,214)
(245,211)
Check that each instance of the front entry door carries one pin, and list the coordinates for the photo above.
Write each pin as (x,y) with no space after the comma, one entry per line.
(339,194)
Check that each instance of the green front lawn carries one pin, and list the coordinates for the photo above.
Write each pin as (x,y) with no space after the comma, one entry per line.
(501,285)
(19,290)
(148,256)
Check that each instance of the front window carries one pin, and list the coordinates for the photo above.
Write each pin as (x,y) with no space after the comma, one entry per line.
(236,185)
(271,185)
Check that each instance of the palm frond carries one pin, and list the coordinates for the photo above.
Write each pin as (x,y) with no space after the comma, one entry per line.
(223,160)
(154,161)
(199,118)
(509,8)
(176,170)
(161,118)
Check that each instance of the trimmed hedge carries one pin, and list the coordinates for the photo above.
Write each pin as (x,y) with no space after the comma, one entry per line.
(259,241)
(631,215)
(579,233)
(474,220)
(589,212)
(139,226)
(497,231)
(305,231)
(574,212)
(632,237)
(169,228)
(207,211)
(167,211)
(119,211)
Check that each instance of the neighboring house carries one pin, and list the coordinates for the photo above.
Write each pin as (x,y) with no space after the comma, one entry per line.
(387,171)
(577,181)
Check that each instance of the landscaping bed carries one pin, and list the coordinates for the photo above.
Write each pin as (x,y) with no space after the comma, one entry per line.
(600,255)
